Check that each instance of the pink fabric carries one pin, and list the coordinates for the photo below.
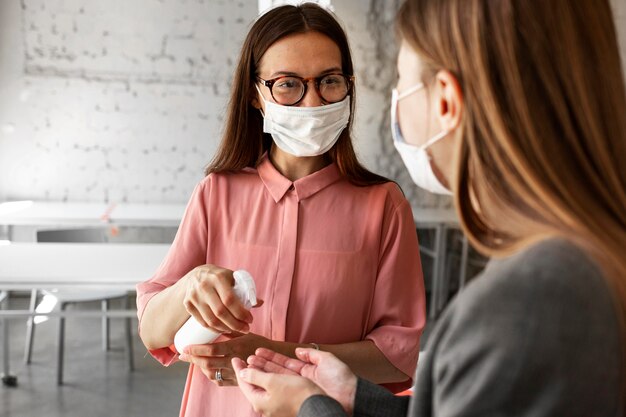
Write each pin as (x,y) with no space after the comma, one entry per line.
(335,263)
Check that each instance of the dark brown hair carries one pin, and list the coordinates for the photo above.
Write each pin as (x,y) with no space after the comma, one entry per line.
(244,142)
(543,131)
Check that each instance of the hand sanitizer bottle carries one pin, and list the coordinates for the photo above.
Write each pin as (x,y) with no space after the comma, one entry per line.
(193,333)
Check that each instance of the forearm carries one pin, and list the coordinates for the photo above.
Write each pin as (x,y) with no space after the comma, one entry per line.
(363,358)
(367,361)
(164,314)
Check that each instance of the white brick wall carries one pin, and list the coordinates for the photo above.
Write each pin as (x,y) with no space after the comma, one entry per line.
(124,100)
(116,100)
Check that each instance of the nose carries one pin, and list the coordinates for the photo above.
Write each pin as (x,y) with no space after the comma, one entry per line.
(311,98)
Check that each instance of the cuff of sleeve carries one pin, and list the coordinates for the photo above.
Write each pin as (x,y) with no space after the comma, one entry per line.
(402,355)
(321,406)
(166,356)
(403,360)
(372,400)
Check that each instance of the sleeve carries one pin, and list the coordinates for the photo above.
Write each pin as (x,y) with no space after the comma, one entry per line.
(321,406)
(398,312)
(188,250)
(370,400)
(534,340)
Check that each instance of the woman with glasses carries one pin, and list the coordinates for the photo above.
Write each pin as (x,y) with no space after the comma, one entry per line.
(332,247)
(517,107)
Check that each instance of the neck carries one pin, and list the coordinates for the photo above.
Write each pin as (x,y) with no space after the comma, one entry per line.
(295,167)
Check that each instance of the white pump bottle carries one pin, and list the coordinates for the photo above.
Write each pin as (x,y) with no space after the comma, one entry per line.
(193,333)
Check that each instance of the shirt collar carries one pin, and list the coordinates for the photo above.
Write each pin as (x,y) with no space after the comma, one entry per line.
(305,187)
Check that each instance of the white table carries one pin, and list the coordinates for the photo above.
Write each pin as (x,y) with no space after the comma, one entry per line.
(91,265)
(89,214)
(24,266)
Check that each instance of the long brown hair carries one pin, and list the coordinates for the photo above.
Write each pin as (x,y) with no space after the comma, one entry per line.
(543,147)
(244,142)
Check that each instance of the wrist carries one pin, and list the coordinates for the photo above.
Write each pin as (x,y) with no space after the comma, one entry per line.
(349,395)
(305,394)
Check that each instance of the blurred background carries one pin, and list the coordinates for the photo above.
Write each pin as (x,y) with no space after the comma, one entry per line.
(123,102)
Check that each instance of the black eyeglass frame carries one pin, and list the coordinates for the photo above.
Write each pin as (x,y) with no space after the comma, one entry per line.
(305,81)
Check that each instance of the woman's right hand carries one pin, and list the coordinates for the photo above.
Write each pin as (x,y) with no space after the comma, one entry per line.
(210,298)
(323,368)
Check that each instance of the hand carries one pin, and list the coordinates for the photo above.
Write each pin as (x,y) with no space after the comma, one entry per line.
(211,300)
(217,356)
(323,368)
(274,395)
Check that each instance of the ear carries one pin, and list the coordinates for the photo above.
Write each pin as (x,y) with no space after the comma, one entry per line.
(449,100)
(254,99)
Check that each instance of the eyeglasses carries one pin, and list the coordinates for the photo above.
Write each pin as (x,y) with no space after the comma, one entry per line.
(290,90)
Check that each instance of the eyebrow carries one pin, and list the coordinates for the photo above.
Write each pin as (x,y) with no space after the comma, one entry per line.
(291,74)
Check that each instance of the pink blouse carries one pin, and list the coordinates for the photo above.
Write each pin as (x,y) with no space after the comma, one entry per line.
(334,262)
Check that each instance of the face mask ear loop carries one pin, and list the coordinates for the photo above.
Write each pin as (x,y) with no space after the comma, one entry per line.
(439,135)
(435,138)
(262,98)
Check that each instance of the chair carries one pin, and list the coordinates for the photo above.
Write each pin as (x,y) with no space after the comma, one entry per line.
(67,297)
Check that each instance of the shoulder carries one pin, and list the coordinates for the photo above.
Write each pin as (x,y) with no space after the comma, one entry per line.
(216,179)
(551,268)
(540,321)
(546,281)
(388,192)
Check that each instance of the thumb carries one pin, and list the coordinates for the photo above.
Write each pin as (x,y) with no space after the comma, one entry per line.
(255,377)
(313,356)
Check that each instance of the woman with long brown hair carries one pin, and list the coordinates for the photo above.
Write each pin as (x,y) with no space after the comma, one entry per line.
(332,247)
(517,107)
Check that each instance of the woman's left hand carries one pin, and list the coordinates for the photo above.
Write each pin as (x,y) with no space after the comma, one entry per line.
(274,395)
(215,357)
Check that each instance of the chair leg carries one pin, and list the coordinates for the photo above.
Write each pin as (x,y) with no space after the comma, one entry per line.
(61,347)
(129,336)
(7,378)
(30,327)
(105,326)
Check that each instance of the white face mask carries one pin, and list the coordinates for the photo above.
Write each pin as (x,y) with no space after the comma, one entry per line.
(305,131)
(415,158)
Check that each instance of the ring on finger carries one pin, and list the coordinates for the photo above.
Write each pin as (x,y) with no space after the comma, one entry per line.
(218,375)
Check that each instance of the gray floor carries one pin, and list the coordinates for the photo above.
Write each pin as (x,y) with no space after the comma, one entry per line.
(96,383)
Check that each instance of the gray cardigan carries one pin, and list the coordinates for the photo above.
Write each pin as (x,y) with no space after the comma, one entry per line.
(535,334)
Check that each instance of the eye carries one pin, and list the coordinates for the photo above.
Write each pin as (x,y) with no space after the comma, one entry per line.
(287,83)
(330,80)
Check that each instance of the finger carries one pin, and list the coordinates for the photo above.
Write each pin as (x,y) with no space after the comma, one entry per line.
(213,350)
(233,335)
(271,355)
(201,310)
(255,377)
(228,378)
(250,391)
(206,362)
(196,314)
(224,287)
(313,356)
(280,359)
(220,309)
(258,362)
(197,303)
(228,375)
(210,280)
